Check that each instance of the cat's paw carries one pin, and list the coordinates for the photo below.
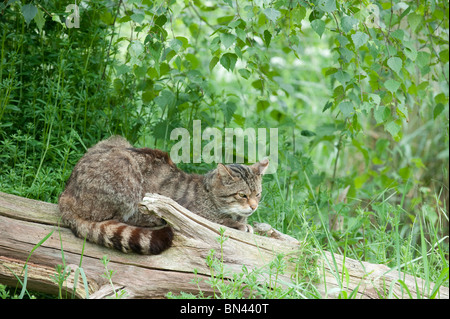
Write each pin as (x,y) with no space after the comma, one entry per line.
(238,225)
(244,227)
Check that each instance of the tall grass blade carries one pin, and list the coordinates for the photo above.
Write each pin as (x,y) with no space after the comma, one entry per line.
(24,285)
(443,277)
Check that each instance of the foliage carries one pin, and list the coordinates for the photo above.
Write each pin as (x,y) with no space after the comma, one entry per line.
(358,91)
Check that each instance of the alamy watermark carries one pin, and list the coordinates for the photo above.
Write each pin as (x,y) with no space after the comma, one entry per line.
(73,19)
(213,150)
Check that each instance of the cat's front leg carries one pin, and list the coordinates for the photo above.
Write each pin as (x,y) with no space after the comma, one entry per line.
(247,228)
(238,225)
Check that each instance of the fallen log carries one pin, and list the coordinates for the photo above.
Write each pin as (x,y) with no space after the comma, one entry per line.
(33,240)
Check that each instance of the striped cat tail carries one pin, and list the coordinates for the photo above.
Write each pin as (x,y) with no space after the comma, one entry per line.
(123,237)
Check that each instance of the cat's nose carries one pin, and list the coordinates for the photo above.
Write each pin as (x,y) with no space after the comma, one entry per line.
(253,206)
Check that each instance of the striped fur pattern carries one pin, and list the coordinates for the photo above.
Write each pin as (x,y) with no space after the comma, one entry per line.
(101,198)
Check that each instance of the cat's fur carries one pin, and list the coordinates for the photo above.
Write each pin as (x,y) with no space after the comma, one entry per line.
(101,198)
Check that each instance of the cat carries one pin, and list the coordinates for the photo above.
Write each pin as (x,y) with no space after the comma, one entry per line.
(100,201)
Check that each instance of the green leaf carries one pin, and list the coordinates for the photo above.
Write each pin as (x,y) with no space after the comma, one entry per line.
(398,34)
(438,110)
(137,17)
(272,14)
(359,39)
(241,34)
(227,39)
(224,20)
(346,55)
(213,63)
(410,54)
(440,98)
(381,114)
(346,108)
(238,51)
(375,98)
(298,14)
(175,44)
(162,129)
(405,172)
(148,96)
(39,19)
(193,60)
(329,71)
(140,71)
(360,180)
(124,19)
(29,11)
(343,77)
(136,48)
(161,20)
(277,115)
(393,128)
(166,98)
(170,55)
(443,55)
(229,2)
(244,73)
(343,41)
(228,61)
(178,62)
(423,59)
(327,5)
(347,23)
(307,133)
(195,76)
(328,105)
(262,105)
(391,85)
(395,63)
(228,110)
(267,37)
(56,18)
(318,26)
(184,41)
(239,119)
(418,162)
(122,69)
(414,20)
(236,24)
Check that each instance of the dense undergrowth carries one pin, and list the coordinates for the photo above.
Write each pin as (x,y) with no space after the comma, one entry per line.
(357,90)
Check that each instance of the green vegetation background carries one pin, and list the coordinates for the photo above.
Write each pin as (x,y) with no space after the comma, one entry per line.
(358,91)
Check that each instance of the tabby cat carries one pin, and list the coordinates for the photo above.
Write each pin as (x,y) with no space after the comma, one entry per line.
(101,198)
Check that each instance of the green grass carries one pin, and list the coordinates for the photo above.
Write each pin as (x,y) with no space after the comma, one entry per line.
(257,283)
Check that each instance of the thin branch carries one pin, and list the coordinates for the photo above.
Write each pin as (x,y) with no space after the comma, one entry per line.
(198,15)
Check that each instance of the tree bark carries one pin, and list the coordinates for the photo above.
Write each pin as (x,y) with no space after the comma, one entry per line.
(25,223)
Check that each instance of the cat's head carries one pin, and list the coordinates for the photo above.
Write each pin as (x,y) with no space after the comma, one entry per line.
(236,188)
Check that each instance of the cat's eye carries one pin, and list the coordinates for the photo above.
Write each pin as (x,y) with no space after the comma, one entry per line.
(242,195)
(258,195)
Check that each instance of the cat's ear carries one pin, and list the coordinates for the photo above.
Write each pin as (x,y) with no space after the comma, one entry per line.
(260,167)
(223,171)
